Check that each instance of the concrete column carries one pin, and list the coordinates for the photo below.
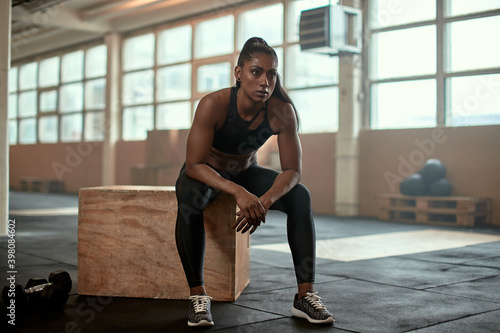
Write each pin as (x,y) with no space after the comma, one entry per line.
(350,120)
(111,123)
(347,155)
(5,21)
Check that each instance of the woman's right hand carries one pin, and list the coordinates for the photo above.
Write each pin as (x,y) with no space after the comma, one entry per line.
(251,214)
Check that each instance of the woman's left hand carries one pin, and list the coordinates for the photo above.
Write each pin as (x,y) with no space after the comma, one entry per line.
(242,224)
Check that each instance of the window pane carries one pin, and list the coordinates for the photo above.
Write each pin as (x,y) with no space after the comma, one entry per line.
(174,45)
(174,83)
(48,101)
(13,79)
(138,87)
(27,76)
(12,132)
(474,100)
(315,114)
(95,94)
(94,126)
(404,104)
(72,67)
(215,37)
(173,116)
(404,52)
(12,106)
(214,77)
(306,69)
(471,44)
(137,121)
(387,13)
(138,52)
(96,61)
(27,131)
(296,8)
(462,7)
(49,72)
(27,103)
(71,97)
(71,129)
(265,22)
(48,129)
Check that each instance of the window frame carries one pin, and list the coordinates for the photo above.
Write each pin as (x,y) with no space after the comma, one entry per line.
(235,11)
(197,61)
(441,76)
(57,87)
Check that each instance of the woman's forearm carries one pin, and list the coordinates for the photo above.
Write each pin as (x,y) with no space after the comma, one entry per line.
(285,181)
(211,178)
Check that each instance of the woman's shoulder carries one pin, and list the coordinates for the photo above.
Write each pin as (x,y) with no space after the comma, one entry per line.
(213,107)
(217,98)
(281,114)
(280,111)
(275,101)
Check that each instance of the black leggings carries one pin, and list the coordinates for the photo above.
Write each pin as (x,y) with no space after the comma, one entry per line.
(193,196)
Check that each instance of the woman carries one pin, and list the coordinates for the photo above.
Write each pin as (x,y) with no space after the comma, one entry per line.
(229,127)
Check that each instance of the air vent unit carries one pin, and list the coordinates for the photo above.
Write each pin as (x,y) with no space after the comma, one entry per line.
(331,30)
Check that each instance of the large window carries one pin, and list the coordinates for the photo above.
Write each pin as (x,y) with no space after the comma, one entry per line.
(156,86)
(265,22)
(27,102)
(166,71)
(60,98)
(214,37)
(471,46)
(434,63)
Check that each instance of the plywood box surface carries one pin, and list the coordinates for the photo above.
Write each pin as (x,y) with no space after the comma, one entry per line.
(126,245)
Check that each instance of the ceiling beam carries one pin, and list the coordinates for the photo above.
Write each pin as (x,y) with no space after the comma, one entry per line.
(120,8)
(57,16)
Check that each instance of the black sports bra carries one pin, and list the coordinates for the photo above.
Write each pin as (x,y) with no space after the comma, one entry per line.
(235,137)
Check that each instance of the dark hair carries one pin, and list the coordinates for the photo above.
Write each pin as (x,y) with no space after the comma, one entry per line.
(254,47)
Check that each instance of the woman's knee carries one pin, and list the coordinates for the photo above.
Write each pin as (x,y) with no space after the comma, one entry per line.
(301,193)
(299,198)
(192,197)
(193,193)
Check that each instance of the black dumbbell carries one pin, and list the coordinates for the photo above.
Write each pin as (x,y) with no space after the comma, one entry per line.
(33,296)
(51,294)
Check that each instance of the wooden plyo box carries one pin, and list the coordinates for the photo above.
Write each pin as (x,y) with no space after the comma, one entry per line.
(127,248)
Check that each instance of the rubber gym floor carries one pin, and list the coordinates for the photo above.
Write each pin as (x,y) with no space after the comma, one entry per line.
(373,276)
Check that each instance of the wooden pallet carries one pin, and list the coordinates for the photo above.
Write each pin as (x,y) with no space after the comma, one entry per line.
(45,185)
(458,211)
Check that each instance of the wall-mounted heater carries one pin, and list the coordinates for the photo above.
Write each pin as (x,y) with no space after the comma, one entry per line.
(331,30)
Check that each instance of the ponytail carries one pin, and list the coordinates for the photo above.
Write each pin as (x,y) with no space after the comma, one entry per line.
(281,93)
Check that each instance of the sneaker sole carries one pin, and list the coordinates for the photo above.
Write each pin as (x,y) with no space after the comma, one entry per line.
(300,314)
(201,323)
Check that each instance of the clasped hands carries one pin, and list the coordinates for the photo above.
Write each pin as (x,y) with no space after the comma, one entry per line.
(251,214)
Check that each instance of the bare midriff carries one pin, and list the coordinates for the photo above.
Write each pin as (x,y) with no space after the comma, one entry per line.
(228,162)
